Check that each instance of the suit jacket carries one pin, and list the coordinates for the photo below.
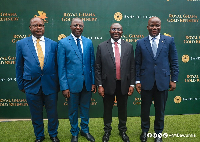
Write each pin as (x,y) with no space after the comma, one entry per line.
(72,69)
(28,72)
(162,68)
(105,69)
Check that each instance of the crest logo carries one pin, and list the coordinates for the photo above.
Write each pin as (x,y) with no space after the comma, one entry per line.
(118,16)
(61,36)
(42,15)
(177,99)
(185,58)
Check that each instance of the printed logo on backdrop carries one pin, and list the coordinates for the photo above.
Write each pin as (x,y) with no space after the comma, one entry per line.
(192,78)
(13,102)
(187,58)
(179,99)
(118,16)
(182,18)
(42,15)
(7,60)
(8,16)
(84,16)
(192,39)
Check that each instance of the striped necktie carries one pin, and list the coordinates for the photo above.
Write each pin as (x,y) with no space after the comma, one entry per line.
(40,54)
(154,46)
(117,61)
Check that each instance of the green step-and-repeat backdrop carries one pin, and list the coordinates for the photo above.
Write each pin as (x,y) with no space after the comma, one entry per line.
(180,19)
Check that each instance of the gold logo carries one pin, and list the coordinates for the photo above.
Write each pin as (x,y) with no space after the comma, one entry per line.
(177,99)
(61,36)
(118,16)
(42,15)
(185,58)
(167,34)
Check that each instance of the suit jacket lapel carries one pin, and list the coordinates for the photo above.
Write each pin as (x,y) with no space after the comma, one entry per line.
(110,50)
(74,46)
(160,46)
(47,49)
(148,46)
(32,49)
(123,49)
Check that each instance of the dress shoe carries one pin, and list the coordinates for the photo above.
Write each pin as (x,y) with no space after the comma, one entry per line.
(143,137)
(157,139)
(54,139)
(124,136)
(88,136)
(106,137)
(40,140)
(74,139)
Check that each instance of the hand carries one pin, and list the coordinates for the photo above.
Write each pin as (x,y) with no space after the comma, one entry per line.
(66,93)
(23,90)
(130,90)
(101,91)
(94,89)
(138,88)
(172,86)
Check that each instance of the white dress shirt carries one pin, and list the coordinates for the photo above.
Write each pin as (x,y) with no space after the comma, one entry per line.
(76,41)
(42,43)
(119,46)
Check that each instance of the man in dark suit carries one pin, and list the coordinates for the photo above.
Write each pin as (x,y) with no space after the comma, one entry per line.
(76,75)
(115,76)
(36,73)
(156,70)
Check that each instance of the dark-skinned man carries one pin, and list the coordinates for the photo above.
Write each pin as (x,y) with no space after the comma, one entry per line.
(37,76)
(115,76)
(76,76)
(156,71)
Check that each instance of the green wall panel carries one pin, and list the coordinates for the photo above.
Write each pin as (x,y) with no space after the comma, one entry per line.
(180,19)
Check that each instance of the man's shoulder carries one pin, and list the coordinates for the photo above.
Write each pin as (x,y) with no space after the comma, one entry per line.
(24,40)
(85,38)
(104,42)
(125,42)
(49,40)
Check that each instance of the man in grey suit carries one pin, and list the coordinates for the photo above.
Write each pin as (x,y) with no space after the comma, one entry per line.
(114,74)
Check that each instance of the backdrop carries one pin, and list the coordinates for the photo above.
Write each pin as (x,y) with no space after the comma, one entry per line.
(180,19)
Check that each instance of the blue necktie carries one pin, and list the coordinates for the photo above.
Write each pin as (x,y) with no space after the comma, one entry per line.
(154,46)
(79,47)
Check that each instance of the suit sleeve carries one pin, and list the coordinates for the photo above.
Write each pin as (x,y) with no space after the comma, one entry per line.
(132,67)
(92,63)
(98,67)
(19,66)
(138,61)
(61,59)
(173,59)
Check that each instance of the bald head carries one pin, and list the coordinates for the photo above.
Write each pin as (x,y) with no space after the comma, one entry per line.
(154,26)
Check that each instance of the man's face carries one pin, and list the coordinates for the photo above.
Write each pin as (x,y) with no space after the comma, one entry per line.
(77,27)
(37,27)
(154,26)
(116,31)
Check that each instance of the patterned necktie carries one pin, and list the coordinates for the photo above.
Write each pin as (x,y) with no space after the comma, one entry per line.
(40,54)
(79,47)
(154,46)
(117,61)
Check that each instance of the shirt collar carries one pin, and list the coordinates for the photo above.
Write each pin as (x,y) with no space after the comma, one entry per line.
(76,37)
(119,41)
(34,38)
(157,37)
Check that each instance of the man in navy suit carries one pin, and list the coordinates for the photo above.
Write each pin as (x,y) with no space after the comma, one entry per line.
(156,71)
(76,76)
(39,79)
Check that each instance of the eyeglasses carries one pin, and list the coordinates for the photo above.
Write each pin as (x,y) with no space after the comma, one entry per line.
(80,26)
(36,25)
(116,29)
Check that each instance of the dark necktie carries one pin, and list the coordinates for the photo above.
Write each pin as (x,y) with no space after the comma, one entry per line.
(117,61)
(154,46)
(79,47)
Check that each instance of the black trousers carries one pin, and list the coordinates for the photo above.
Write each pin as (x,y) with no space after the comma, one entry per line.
(108,101)
(160,98)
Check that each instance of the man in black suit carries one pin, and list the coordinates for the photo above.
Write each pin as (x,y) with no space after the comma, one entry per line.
(114,73)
